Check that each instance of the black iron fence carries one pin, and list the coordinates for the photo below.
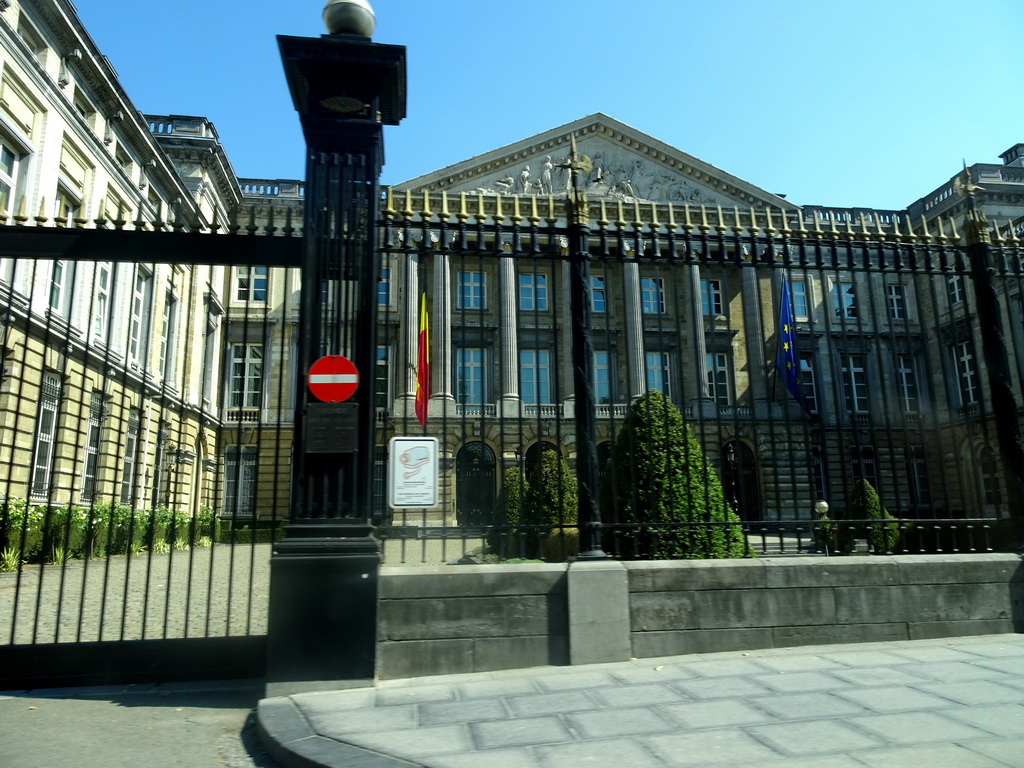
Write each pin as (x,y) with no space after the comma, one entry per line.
(146,410)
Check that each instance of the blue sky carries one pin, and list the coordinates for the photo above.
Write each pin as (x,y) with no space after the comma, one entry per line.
(847,103)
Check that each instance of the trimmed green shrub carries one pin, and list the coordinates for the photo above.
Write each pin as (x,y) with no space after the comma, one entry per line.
(864,504)
(659,477)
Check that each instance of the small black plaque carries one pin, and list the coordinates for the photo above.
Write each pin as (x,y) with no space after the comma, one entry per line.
(332,427)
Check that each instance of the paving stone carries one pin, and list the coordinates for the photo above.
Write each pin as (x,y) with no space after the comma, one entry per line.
(723,746)
(496,758)
(341,724)
(549,703)
(638,695)
(1010,666)
(892,699)
(931,653)
(724,688)
(417,743)
(979,692)
(577,681)
(656,674)
(942,756)
(813,737)
(489,688)
(917,727)
(1000,719)
(618,752)
(805,663)
(801,706)
(865,658)
(878,676)
(335,701)
(417,694)
(1007,750)
(725,667)
(618,722)
(714,714)
(801,681)
(521,732)
(442,712)
(952,671)
(993,649)
(827,761)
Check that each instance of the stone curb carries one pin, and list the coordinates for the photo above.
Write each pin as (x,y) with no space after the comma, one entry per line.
(293,743)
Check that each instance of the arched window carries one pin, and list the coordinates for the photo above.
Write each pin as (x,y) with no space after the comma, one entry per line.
(476,483)
(739,480)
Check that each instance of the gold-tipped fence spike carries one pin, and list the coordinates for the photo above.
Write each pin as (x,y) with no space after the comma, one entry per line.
(849,226)
(603,221)
(407,212)
(704,226)
(551,217)
(769,226)
(942,229)
(637,221)
(1010,234)
(672,217)
(499,216)
(655,224)
(517,215)
(41,217)
(737,226)
(463,213)
(427,213)
(687,221)
(534,213)
(754,229)
(20,216)
(952,225)
(621,221)
(389,206)
(481,212)
(61,219)
(864,226)
(444,214)
(251,227)
(720,226)
(997,236)
(784,229)
(924,228)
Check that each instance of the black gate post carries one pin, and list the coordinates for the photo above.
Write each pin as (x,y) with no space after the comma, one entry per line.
(322,622)
(993,343)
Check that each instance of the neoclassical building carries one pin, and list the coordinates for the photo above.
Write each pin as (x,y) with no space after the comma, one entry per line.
(172,384)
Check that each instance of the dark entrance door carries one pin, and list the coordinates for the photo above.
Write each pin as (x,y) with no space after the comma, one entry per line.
(739,481)
(476,480)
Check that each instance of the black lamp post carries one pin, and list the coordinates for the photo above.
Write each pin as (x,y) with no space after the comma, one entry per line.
(323,594)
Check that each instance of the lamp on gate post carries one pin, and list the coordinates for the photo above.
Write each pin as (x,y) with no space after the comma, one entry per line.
(323,589)
(578,215)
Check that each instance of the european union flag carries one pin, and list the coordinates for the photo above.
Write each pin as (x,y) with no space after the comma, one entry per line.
(786,364)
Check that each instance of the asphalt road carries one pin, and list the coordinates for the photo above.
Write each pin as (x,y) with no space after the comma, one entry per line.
(193,725)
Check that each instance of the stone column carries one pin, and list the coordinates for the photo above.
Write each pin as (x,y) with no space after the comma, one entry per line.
(441,330)
(753,331)
(691,290)
(636,371)
(508,401)
(410,337)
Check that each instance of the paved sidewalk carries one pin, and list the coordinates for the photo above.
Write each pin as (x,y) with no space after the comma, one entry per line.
(952,702)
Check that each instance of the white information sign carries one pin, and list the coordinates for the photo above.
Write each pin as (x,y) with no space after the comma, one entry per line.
(413,472)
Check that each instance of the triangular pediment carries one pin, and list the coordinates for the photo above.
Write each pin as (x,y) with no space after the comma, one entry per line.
(627,165)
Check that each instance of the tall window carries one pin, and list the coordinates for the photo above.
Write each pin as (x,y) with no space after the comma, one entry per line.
(239,480)
(92,446)
(896,301)
(131,447)
(9,161)
(711,298)
(167,336)
(917,476)
(251,283)
(598,294)
(855,385)
(472,291)
(719,375)
(602,378)
(469,375)
(246,376)
(906,384)
(46,434)
(955,289)
(61,280)
(656,369)
(988,476)
(652,295)
(138,322)
(966,372)
(533,292)
(844,301)
(863,465)
(384,287)
(807,382)
(799,300)
(382,379)
(101,301)
(535,373)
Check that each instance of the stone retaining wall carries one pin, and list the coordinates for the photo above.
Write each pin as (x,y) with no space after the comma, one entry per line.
(474,618)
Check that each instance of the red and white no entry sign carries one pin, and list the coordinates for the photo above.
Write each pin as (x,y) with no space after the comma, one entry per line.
(333,379)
